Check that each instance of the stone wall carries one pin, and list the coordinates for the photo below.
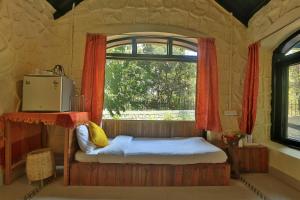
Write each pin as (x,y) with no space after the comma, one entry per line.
(36,41)
(276,14)
(22,24)
(283,15)
(193,18)
(30,39)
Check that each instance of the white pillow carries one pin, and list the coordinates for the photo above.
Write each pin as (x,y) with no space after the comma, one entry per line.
(82,133)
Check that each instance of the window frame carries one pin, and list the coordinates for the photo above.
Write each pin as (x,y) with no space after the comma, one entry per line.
(171,41)
(281,63)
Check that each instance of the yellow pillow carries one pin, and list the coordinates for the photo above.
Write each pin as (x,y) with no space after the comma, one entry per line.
(97,135)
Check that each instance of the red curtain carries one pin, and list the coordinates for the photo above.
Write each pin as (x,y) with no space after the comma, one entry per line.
(207,91)
(250,90)
(1,142)
(93,76)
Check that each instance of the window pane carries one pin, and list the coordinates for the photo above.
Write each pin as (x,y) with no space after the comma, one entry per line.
(152,48)
(294,103)
(125,49)
(153,90)
(178,50)
(294,49)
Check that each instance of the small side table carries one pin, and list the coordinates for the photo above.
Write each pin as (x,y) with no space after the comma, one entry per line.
(246,159)
(253,159)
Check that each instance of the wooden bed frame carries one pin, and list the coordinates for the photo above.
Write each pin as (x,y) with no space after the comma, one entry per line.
(105,174)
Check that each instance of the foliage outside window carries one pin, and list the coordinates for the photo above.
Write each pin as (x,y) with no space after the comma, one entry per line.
(286,92)
(150,82)
(152,48)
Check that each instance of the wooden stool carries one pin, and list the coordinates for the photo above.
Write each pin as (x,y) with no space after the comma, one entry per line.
(40,165)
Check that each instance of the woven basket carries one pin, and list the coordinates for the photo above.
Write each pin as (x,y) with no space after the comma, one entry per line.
(40,164)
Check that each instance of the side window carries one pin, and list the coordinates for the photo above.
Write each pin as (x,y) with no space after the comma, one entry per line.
(286,92)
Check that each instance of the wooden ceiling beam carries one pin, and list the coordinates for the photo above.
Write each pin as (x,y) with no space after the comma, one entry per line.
(62,6)
(243,10)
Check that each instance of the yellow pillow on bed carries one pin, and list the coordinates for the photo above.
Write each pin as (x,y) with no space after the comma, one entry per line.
(97,135)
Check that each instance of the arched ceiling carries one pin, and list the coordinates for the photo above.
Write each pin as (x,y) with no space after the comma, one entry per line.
(243,10)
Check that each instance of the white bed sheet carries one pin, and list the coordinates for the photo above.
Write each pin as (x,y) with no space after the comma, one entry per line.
(126,149)
(169,146)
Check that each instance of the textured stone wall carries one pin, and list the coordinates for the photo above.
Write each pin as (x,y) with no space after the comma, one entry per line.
(22,24)
(36,41)
(191,18)
(283,15)
(30,39)
(276,14)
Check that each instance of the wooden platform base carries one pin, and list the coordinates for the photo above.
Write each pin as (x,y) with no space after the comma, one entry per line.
(91,174)
(253,159)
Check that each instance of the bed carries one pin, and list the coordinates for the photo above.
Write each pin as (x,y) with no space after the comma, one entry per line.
(130,163)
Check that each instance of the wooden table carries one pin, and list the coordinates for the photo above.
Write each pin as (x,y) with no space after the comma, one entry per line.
(24,130)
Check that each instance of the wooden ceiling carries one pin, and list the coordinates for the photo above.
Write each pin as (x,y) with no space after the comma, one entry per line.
(243,10)
(62,6)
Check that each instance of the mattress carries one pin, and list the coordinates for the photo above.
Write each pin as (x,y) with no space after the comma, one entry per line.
(216,157)
(176,151)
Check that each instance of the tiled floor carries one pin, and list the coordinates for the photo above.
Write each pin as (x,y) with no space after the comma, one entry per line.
(270,186)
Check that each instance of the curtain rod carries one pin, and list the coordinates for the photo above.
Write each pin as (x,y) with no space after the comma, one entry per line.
(277,30)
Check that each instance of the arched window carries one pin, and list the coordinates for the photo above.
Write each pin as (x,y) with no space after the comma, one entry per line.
(152,48)
(150,78)
(286,92)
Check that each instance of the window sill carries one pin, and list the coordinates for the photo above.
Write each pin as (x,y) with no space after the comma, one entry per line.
(284,159)
(283,149)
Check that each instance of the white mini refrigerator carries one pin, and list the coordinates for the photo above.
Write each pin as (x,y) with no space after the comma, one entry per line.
(46,93)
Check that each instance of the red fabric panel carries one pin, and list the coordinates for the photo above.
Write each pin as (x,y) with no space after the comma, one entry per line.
(22,147)
(25,138)
(2,159)
(207,89)
(250,90)
(93,76)
(71,119)
(1,126)
(1,142)
(64,119)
